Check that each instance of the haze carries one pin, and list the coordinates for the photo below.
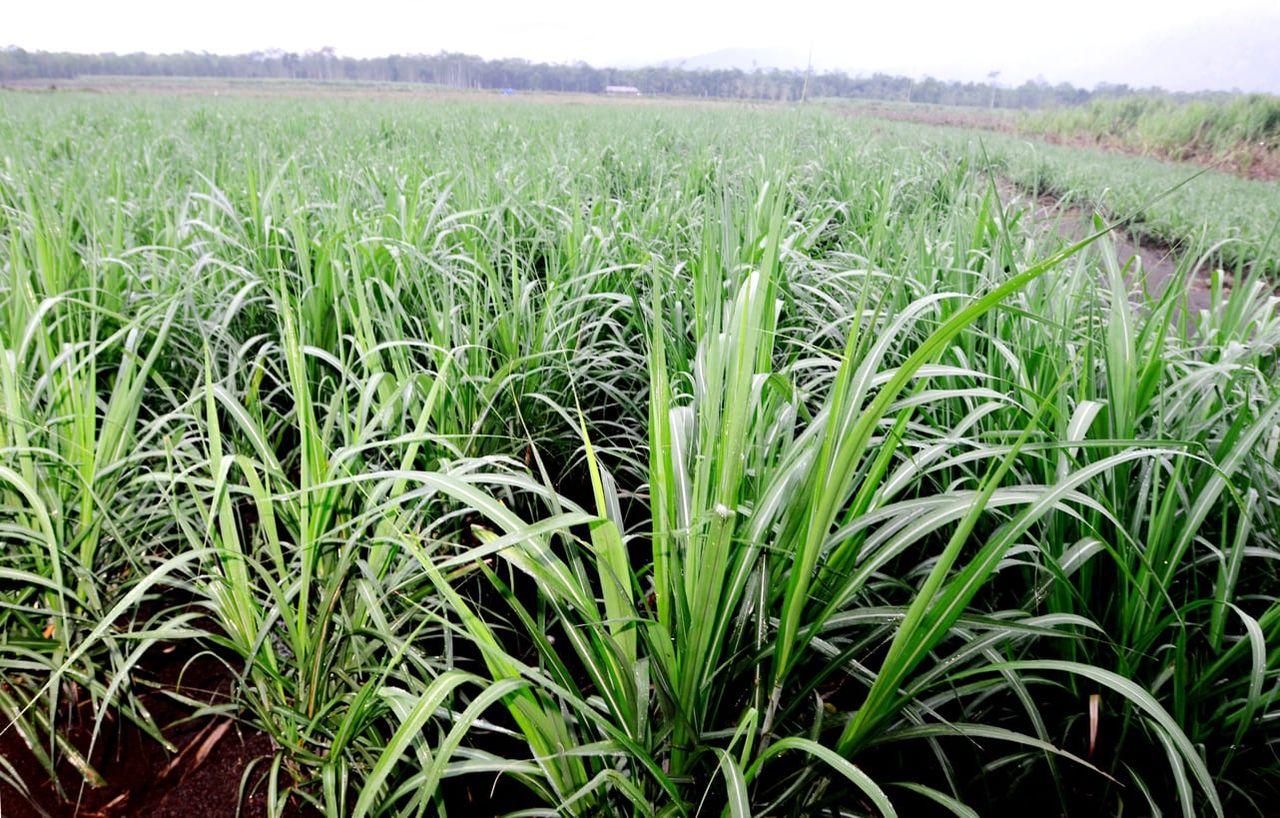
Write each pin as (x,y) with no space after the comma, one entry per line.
(1181,44)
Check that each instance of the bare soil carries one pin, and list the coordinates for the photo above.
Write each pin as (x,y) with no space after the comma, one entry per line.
(203,778)
(1152,266)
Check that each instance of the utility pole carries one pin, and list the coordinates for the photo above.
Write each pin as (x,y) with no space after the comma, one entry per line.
(808,71)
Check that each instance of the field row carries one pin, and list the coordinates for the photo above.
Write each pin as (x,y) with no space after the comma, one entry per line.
(629,461)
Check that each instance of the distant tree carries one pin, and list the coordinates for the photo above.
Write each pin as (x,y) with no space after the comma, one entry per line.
(468,71)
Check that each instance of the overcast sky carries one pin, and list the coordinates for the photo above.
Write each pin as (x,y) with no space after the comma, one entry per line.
(943,38)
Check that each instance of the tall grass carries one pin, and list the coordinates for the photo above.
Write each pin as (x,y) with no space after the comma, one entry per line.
(1243,130)
(627,462)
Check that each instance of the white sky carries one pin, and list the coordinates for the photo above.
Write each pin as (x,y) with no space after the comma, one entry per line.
(946,38)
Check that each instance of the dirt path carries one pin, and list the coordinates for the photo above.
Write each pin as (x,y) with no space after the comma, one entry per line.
(1154,267)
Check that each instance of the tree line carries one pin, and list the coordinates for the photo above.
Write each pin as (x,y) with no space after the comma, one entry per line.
(468,71)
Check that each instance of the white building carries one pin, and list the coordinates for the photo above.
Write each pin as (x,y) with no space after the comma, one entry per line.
(622,90)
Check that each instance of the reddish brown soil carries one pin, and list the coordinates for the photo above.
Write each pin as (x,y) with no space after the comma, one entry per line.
(142,779)
(950,117)
(1154,266)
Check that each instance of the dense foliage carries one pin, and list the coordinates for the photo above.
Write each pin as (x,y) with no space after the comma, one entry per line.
(1243,130)
(642,461)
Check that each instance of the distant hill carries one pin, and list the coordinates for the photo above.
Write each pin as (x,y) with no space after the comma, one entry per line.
(1228,53)
(746,59)
(1225,54)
